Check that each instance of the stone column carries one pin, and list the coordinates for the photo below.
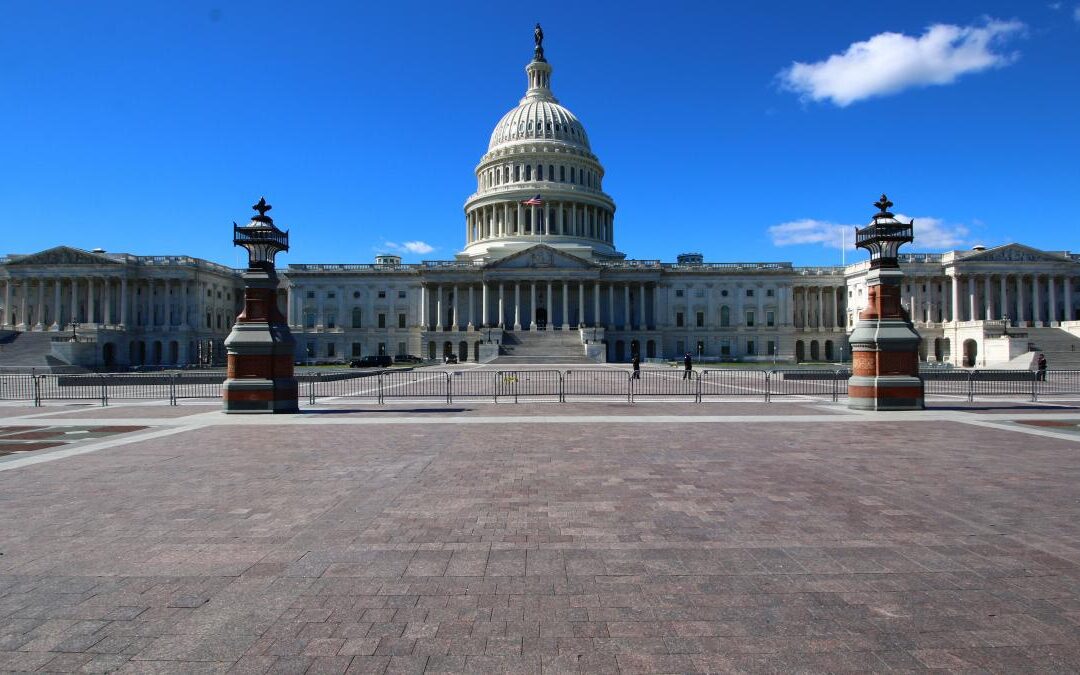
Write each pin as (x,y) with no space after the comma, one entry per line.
(486,315)
(56,306)
(973,312)
(124,304)
(517,305)
(988,302)
(627,324)
(1003,290)
(454,304)
(566,305)
(91,291)
(423,322)
(581,304)
(532,289)
(74,301)
(502,309)
(611,306)
(596,303)
(1051,298)
(1068,297)
(550,308)
(438,307)
(820,323)
(805,307)
(1036,306)
(6,318)
(39,311)
(1020,313)
(24,320)
(954,311)
(472,300)
(106,318)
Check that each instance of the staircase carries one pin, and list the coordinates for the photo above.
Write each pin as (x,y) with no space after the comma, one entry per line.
(544,346)
(1061,347)
(30,349)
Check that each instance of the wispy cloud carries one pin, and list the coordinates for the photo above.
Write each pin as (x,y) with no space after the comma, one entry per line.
(417,247)
(1076,13)
(930,233)
(888,63)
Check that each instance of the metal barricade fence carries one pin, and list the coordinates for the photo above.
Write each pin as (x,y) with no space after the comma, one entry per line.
(18,388)
(1058,383)
(71,388)
(729,382)
(595,382)
(139,386)
(414,384)
(947,383)
(666,384)
(808,382)
(534,385)
(197,385)
(472,384)
(340,384)
(1003,383)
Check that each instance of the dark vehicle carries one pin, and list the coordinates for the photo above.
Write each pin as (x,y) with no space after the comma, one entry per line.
(408,358)
(450,358)
(373,361)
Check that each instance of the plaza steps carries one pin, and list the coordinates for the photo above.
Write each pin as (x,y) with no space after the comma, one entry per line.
(542,346)
(27,349)
(1061,347)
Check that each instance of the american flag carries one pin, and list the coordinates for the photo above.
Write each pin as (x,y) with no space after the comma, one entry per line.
(534,201)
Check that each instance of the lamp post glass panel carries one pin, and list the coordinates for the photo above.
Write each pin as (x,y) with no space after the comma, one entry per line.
(260,346)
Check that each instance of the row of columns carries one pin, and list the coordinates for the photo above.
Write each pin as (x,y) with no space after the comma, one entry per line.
(991,297)
(59,302)
(505,298)
(551,218)
(820,307)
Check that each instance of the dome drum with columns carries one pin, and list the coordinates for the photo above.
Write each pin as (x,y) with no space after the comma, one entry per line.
(539,149)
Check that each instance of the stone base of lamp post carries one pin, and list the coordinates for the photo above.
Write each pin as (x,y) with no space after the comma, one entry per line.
(885,351)
(260,353)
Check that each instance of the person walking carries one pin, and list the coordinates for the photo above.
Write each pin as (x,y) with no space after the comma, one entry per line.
(635,361)
(688,362)
(1041,365)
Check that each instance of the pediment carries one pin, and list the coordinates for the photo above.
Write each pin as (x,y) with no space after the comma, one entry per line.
(1015,253)
(541,256)
(63,255)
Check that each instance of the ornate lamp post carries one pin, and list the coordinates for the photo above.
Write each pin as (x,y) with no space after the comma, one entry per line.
(260,346)
(884,343)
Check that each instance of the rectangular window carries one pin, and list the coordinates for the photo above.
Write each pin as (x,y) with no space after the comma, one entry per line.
(356,349)
(725,348)
(750,348)
(309,320)
(330,295)
(310,351)
(331,349)
(331,320)
(750,319)
(771,347)
(382,321)
(401,321)
(679,292)
(699,293)
(770,319)
(562,174)
(401,294)
(402,349)
(356,318)
(700,318)
(680,349)
(382,294)
(749,292)
(382,348)
(679,320)
(770,293)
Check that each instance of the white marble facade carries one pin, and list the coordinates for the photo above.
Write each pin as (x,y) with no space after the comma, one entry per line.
(551,266)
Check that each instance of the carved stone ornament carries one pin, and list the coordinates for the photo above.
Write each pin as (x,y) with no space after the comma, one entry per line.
(541,258)
(63,255)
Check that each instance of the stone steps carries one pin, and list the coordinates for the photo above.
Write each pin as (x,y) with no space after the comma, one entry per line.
(1062,348)
(29,349)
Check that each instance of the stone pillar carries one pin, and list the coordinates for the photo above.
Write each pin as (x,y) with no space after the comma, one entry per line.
(820,323)
(438,307)
(91,291)
(107,318)
(39,311)
(581,304)
(805,308)
(517,305)
(643,324)
(954,310)
(532,289)
(57,318)
(24,320)
(1051,298)
(471,325)
(5,320)
(1068,298)
(485,316)
(423,322)
(502,308)
(550,308)
(124,304)
(1036,306)
(596,303)
(1003,290)
(566,305)
(1020,313)
(454,304)
(74,301)
(973,312)
(988,302)
(611,306)
(627,324)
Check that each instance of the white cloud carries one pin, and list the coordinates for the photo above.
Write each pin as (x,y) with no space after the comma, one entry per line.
(930,233)
(888,63)
(1076,13)
(417,247)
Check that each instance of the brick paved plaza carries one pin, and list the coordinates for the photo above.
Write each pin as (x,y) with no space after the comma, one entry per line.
(603,537)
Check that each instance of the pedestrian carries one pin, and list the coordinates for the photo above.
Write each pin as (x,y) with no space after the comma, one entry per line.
(688,362)
(635,361)
(1041,365)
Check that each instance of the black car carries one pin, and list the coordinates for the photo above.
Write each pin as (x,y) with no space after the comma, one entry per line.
(407,358)
(450,358)
(373,361)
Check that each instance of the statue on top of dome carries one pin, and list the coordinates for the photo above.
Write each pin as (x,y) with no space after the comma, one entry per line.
(538,36)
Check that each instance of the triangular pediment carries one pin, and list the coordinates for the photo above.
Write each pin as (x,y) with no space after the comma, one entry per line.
(541,256)
(63,255)
(1015,253)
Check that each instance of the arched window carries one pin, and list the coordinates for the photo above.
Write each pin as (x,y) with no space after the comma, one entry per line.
(562,174)
(517,173)
(528,172)
(725,316)
(551,172)
(539,172)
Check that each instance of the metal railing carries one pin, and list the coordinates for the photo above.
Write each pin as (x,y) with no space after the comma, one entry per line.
(535,385)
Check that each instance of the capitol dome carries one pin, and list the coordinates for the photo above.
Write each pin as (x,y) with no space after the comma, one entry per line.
(539,153)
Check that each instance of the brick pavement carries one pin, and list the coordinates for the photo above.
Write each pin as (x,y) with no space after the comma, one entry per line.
(688,545)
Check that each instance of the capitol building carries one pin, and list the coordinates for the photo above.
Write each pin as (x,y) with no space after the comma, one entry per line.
(540,278)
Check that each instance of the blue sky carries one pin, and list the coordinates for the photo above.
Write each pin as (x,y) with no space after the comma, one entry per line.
(149,127)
